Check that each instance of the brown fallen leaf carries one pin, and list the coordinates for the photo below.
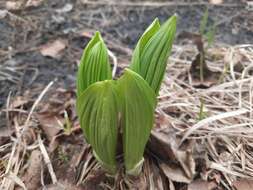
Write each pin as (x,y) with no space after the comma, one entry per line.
(216,2)
(61,137)
(243,184)
(60,101)
(53,49)
(160,146)
(86,33)
(174,173)
(13,5)
(202,185)
(53,116)
(50,124)
(34,3)
(164,144)
(209,77)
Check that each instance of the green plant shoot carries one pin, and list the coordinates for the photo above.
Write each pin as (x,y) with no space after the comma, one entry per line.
(152,52)
(138,105)
(98,109)
(94,64)
(104,105)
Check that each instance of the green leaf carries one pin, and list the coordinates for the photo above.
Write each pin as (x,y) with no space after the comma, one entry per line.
(94,65)
(210,35)
(152,51)
(203,22)
(98,108)
(149,32)
(137,118)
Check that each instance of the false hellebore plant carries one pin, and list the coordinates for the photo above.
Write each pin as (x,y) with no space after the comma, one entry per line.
(107,107)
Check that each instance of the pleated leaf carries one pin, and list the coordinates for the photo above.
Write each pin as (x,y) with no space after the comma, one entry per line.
(149,32)
(98,109)
(137,117)
(152,51)
(94,65)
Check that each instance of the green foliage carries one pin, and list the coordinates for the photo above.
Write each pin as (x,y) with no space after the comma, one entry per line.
(203,22)
(104,105)
(62,155)
(138,105)
(205,31)
(152,51)
(98,110)
(94,64)
(202,113)
(210,35)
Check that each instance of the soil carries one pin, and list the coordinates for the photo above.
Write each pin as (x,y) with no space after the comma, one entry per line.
(24,31)
(32,27)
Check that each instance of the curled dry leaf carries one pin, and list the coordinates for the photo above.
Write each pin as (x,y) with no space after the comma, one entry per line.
(209,77)
(202,76)
(53,49)
(164,144)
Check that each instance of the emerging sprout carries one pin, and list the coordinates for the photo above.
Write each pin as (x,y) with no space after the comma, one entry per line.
(152,51)
(138,105)
(104,105)
(94,64)
(98,109)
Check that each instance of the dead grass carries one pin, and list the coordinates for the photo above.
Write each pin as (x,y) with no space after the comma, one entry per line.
(223,138)
(225,134)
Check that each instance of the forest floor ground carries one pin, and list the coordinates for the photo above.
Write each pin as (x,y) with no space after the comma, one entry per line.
(41,43)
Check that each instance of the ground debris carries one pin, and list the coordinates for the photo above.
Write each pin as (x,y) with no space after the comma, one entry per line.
(20,4)
(177,162)
(201,75)
(31,177)
(202,185)
(63,186)
(223,136)
(243,184)
(5,134)
(53,49)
